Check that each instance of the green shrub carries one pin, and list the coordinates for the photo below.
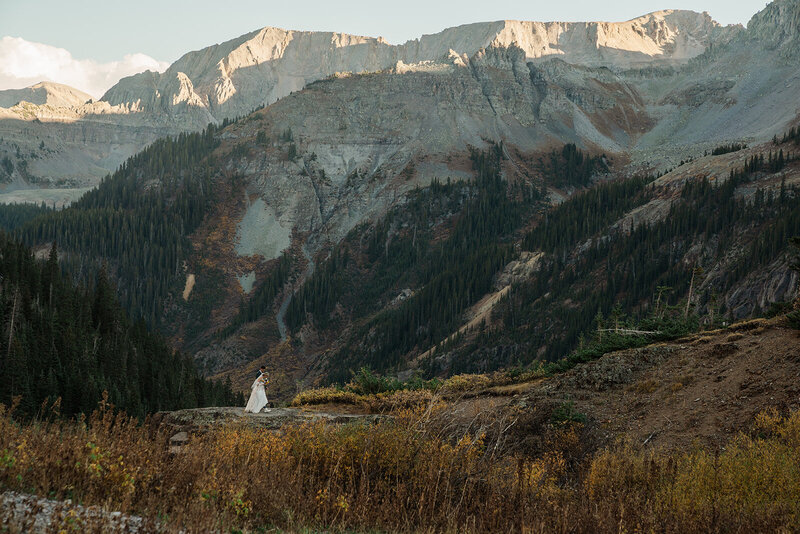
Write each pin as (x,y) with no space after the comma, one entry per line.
(365,382)
(794,319)
(567,413)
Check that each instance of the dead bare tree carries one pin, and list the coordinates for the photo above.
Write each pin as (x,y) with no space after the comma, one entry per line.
(697,271)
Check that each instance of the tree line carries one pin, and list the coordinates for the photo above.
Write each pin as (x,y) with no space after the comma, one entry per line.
(74,342)
(708,225)
(570,166)
(137,221)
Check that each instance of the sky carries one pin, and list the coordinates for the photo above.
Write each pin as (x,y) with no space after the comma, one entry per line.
(91,45)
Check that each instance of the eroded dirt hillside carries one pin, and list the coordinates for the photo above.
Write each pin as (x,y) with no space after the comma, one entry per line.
(702,389)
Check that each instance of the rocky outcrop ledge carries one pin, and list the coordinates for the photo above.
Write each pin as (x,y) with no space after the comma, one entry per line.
(183,423)
(200,419)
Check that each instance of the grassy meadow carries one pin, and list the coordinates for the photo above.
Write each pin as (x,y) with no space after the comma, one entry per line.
(410,473)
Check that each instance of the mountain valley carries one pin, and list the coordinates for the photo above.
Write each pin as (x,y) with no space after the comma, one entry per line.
(339,213)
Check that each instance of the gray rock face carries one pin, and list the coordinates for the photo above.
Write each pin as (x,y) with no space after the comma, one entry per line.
(357,136)
(778,26)
(776,283)
(258,68)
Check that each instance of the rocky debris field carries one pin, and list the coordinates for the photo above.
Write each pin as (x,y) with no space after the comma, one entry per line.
(29,514)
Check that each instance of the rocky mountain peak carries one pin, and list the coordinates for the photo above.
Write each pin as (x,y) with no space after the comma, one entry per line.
(44,94)
(258,68)
(671,36)
(233,77)
(778,26)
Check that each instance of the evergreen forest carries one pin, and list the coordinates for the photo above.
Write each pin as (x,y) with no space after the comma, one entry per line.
(75,342)
(137,221)
(451,239)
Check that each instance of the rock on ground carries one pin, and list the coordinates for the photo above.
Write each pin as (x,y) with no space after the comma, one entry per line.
(31,514)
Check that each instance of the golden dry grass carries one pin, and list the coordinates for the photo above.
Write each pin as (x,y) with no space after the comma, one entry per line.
(451,388)
(406,475)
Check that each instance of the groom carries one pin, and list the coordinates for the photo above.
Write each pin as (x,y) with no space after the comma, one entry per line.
(262,371)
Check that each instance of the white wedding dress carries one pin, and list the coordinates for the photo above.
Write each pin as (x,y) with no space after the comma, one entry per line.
(258,397)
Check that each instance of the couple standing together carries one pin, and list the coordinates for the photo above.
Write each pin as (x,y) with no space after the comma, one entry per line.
(258,392)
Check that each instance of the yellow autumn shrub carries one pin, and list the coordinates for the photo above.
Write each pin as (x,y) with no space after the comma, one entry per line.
(404,474)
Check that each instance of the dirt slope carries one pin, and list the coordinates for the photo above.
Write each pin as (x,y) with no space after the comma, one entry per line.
(702,389)
(706,388)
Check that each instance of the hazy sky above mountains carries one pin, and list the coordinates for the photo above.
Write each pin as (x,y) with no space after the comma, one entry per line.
(90,45)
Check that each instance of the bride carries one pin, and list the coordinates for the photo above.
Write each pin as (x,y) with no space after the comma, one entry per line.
(258,395)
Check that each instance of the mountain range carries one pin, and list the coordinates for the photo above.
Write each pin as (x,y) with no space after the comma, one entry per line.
(665,69)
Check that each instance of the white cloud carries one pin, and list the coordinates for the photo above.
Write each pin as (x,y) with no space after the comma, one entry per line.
(23,63)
